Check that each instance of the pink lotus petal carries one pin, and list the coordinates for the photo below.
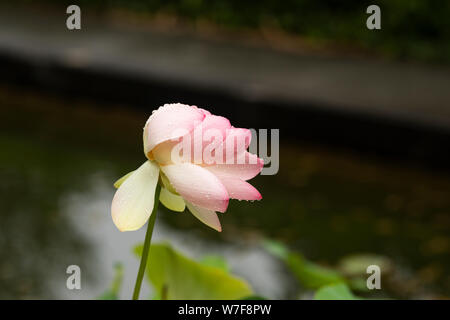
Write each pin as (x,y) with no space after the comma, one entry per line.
(170,121)
(208,135)
(212,122)
(240,133)
(240,190)
(198,186)
(234,145)
(250,168)
(205,112)
(208,217)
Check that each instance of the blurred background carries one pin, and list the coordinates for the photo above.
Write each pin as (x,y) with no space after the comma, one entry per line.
(364,119)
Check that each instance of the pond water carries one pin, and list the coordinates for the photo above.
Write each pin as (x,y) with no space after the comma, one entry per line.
(59,159)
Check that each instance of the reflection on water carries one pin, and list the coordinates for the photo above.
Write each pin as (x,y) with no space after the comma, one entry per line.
(58,161)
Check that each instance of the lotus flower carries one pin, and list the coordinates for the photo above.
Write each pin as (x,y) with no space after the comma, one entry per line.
(199,160)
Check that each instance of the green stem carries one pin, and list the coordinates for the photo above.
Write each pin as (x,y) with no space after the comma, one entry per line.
(147,241)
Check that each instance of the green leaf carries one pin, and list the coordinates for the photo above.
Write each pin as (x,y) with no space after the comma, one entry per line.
(312,275)
(354,267)
(338,291)
(358,284)
(254,298)
(276,248)
(108,295)
(178,277)
(309,274)
(356,264)
(215,261)
(113,292)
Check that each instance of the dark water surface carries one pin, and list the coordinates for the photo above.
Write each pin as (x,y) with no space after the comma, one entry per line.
(59,158)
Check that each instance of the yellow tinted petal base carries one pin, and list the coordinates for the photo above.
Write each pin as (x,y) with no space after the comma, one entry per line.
(172,201)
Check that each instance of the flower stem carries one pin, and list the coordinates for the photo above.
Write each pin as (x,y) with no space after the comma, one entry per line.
(147,241)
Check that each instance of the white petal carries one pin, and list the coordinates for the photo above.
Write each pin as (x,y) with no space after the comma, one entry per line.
(133,202)
(206,216)
(119,182)
(171,201)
